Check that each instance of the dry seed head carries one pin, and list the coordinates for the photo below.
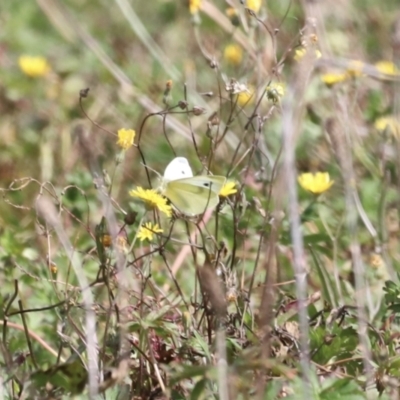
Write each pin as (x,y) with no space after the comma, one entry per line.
(182,105)
(84,93)
(313,38)
(213,120)
(130,218)
(198,110)
(213,64)
(235,87)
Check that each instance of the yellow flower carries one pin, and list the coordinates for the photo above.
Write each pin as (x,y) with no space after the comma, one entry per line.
(302,51)
(152,199)
(315,183)
(246,97)
(233,15)
(194,6)
(53,267)
(168,84)
(126,138)
(387,67)
(331,78)
(33,66)
(233,53)
(228,189)
(147,231)
(390,124)
(254,5)
(231,12)
(376,261)
(355,68)
(275,91)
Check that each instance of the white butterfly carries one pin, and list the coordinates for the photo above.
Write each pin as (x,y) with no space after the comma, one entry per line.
(191,195)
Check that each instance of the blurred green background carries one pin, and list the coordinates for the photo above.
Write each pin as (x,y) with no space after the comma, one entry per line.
(126,52)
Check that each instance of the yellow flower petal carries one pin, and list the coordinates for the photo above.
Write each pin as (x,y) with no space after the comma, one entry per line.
(126,138)
(152,199)
(254,5)
(387,67)
(355,68)
(332,78)
(233,53)
(302,51)
(33,66)
(194,6)
(228,189)
(315,183)
(246,97)
(147,231)
(390,124)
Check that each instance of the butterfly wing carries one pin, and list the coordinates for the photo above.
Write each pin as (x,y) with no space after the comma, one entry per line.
(178,168)
(211,183)
(193,196)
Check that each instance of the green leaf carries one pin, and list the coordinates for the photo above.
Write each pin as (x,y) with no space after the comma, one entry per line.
(100,231)
(329,291)
(203,345)
(198,389)
(341,389)
(70,376)
(190,372)
(316,238)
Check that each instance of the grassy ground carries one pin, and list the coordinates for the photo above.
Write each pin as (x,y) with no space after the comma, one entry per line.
(287,287)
